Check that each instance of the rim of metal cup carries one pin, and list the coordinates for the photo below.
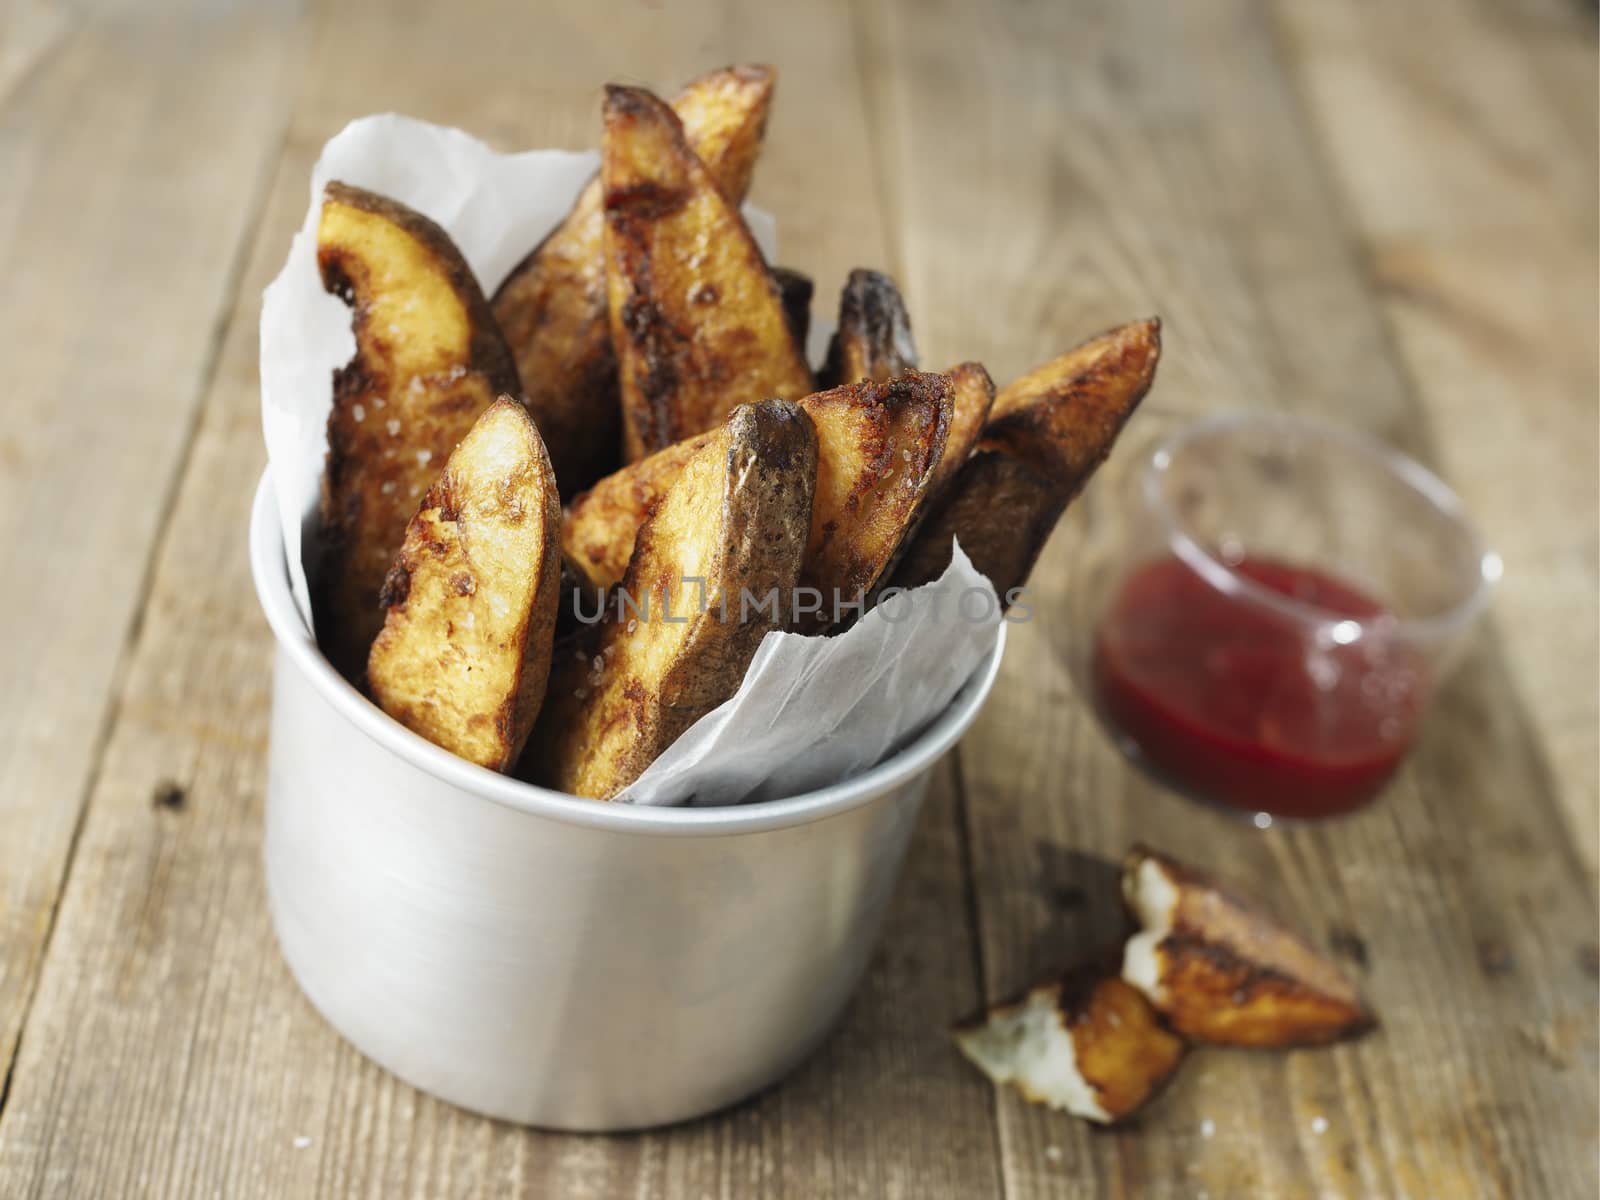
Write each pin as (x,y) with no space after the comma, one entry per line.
(1409,471)
(270,571)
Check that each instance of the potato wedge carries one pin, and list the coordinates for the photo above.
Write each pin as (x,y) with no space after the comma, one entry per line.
(877,445)
(1086,1042)
(1046,434)
(1223,969)
(429,360)
(873,340)
(552,306)
(971,399)
(470,604)
(736,519)
(796,290)
(696,320)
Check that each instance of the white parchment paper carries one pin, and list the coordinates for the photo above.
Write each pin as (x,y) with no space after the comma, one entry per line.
(812,710)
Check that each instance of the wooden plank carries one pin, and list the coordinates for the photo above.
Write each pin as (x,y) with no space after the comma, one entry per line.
(123,206)
(1060,168)
(169,1051)
(1467,161)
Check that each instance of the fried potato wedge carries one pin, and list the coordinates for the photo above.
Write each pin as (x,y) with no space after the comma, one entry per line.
(470,604)
(697,321)
(877,446)
(873,340)
(552,306)
(1086,1042)
(971,399)
(1046,434)
(429,360)
(733,524)
(796,291)
(1223,969)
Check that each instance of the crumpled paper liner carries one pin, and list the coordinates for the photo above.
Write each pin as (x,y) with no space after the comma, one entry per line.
(812,710)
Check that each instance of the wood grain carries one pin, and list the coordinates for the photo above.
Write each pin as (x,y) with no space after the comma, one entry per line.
(1464,151)
(170,1046)
(118,242)
(1380,213)
(1119,159)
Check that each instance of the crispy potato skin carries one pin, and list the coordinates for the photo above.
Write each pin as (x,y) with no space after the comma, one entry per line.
(1046,434)
(696,320)
(796,289)
(552,307)
(429,360)
(1124,1051)
(971,399)
(877,445)
(1232,973)
(464,652)
(873,341)
(736,516)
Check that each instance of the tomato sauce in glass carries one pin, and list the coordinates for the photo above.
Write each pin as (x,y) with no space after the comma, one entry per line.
(1236,701)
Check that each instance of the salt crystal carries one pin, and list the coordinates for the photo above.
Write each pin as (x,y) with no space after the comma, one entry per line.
(424,457)
(359,412)
(632,625)
(905,455)
(1053,1153)
(393,426)
(301,1142)
(378,402)
(598,664)
(1207,1127)
(581,693)
(1319,1125)
(388,487)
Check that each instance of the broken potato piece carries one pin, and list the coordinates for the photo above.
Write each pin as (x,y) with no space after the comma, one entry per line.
(552,307)
(877,446)
(873,341)
(697,321)
(1222,969)
(1045,435)
(429,359)
(470,606)
(1086,1042)
(712,570)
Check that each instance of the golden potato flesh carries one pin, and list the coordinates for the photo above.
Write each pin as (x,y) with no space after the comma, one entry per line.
(1221,968)
(971,398)
(697,321)
(877,444)
(1046,434)
(464,652)
(732,524)
(429,360)
(552,307)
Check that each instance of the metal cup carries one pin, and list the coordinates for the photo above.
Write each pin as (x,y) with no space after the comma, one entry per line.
(551,960)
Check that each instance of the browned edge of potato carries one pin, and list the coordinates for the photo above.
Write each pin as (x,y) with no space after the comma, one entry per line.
(470,604)
(873,340)
(877,446)
(429,359)
(1046,434)
(1222,968)
(697,321)
(736,517)
(552,306)
(1084,1041)
(971,400)
(796,290)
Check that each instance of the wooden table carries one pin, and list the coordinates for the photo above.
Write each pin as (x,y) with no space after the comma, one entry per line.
(1380,212)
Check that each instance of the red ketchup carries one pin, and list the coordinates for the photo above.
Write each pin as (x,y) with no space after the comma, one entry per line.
(1236,701)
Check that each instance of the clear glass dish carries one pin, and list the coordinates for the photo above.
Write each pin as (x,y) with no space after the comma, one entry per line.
(1265,607)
